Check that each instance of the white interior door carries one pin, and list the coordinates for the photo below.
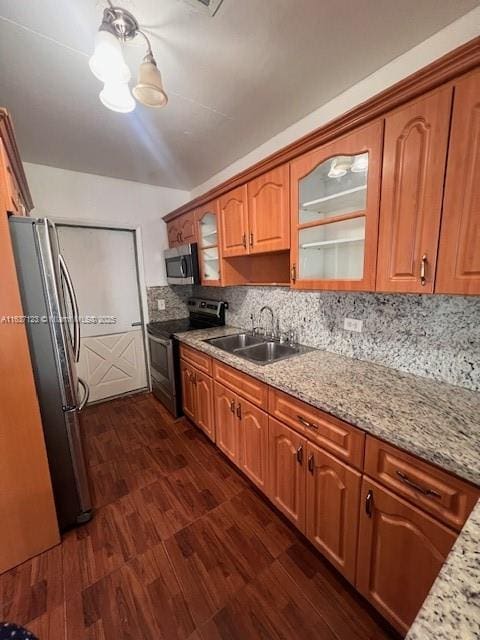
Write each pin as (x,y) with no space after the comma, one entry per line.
(103,266)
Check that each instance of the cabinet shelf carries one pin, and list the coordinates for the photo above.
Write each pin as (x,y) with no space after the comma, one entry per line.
(341,198)
(326,243)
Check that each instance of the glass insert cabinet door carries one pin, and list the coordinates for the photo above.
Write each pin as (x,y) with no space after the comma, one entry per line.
(335,208)
(209,255)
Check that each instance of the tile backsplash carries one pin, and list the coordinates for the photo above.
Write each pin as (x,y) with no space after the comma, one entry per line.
(175,302)
(433,336)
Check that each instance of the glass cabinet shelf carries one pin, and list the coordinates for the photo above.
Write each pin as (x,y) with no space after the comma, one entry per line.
(325,243)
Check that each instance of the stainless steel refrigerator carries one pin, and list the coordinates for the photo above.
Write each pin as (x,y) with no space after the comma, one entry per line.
(53,327)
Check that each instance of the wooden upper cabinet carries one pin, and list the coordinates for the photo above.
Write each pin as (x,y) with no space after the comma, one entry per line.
(400,552)
(333,497)
(269,211)
(188,232)
(458,268)
(253,427)
(415,152)
(286,475)
(335,192)
(173,233)
(209,258)
(226,423)
(234,222)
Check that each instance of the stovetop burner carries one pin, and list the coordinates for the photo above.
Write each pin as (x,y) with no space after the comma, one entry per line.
(204,314)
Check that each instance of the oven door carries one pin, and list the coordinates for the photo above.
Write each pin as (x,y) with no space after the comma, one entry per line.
(181,265)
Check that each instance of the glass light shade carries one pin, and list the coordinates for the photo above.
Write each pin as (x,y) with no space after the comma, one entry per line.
(117,97)
(339,167)
(360,164)
(149,90)
(107,63)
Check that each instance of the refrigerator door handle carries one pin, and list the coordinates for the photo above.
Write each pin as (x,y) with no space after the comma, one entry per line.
(73,299)
(86,389)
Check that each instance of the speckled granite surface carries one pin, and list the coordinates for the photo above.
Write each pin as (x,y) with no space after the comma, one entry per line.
(452,608)
(436,421)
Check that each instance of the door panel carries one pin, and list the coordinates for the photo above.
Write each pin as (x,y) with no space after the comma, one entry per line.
(333,496)
(400,552)
(415,150)
(234,222)
(459,253)
(204,411)
(226,424)
(269,211)
(253,429)
(188,233)
(173,232)
(188,390)
(286,486)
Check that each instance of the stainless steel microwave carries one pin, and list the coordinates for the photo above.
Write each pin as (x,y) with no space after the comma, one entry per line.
(181,264)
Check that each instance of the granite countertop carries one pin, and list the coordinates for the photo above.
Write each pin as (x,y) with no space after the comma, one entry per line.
(435,421)
(452,608)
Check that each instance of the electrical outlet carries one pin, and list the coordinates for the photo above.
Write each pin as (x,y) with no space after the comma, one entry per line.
(351,324)
(161,304)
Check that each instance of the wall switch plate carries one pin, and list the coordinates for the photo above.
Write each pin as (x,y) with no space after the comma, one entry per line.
(161,304)
(351,324)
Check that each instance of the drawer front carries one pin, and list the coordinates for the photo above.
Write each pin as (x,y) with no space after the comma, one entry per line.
(344,441)
(197,358)
(437,492)
(251,389)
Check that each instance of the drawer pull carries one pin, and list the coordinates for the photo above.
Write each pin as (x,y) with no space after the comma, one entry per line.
(239,411)
(425,492)
(311,463)
(300,455)
(369,503)
(232,406)
(307,424)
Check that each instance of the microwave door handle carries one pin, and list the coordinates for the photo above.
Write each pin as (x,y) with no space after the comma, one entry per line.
(73,299)
(183,269)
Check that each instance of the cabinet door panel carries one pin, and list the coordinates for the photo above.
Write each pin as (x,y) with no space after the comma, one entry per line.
(208,241)
(459,253)
(400,553)
(269,211)
(234,223)
(286,475)
(204,411)
(188,390)
(173,232)
(253,426)
(333,496)
(226,424)
(415,150)
(188,233)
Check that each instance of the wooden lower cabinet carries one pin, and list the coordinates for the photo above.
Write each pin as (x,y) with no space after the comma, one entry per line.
(400,552)
(197,391)
(226,423)
(333,497)
(287,481)
(253,431)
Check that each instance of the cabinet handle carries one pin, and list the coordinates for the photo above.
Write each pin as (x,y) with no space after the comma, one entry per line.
(244,240)
(307,424)
(293,273)
(178,236)
(251,239)
(300,455)
(423,270)
(423,490)
(369,503)
(232,406)
(239,411)
(311,463)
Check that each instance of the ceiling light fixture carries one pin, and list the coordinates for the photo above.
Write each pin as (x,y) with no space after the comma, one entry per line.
(108,64)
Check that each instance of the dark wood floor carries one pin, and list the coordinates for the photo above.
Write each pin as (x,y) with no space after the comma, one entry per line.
(180,547)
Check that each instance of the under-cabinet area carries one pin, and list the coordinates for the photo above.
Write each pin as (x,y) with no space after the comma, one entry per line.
(385,519)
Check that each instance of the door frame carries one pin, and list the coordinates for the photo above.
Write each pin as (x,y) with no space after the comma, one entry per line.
(139,262)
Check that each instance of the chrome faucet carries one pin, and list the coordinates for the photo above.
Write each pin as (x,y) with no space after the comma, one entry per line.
(266,308)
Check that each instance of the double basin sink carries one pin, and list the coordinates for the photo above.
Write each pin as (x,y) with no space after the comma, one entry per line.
(256,348)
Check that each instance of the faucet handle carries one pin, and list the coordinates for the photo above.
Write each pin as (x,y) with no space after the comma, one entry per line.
(292,335)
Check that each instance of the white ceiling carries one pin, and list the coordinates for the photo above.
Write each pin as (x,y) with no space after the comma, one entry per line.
(234,80)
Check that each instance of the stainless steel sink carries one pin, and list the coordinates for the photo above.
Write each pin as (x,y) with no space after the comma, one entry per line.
(256,349)
(234,342)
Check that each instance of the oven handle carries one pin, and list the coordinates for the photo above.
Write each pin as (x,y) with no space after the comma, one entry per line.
(166,343)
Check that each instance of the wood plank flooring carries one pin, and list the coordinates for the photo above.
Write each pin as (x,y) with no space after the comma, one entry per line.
(181,547)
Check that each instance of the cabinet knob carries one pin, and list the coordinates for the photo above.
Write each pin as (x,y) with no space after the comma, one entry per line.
(311,463)
(244,240)
(239,411)
(232,406)
(293,273)
(369,503)
(251,239)
(300,455)
(423,270)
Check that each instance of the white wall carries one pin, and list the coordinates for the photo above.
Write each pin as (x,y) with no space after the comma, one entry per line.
(86,197)
(454,35)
